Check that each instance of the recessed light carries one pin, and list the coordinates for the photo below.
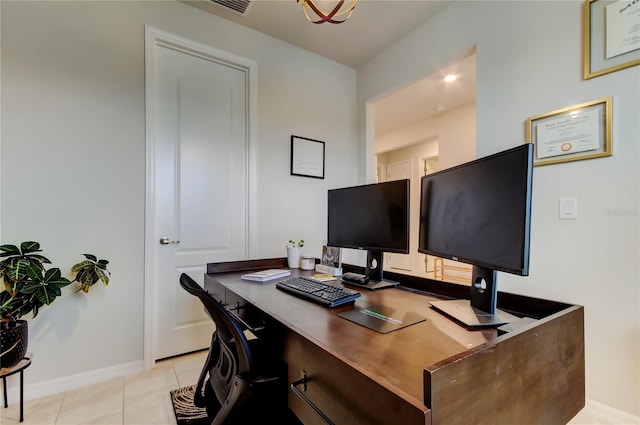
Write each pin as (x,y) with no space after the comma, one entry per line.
(450,78)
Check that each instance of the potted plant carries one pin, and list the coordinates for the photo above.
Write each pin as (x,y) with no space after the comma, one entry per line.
(29,286)
(294,251)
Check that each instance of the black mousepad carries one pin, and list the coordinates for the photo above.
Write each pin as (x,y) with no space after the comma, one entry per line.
(382,319)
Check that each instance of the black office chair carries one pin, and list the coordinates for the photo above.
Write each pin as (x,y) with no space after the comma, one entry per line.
(245,383)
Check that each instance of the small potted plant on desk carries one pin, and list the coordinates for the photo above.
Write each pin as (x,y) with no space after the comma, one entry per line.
(28,286)
(294,251)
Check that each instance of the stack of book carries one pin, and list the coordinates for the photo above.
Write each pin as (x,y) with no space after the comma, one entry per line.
(264,275)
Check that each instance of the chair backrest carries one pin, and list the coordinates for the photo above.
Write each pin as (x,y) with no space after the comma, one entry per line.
(248,381)
(228,330)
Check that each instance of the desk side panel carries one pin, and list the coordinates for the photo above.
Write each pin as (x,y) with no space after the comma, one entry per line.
(535,375)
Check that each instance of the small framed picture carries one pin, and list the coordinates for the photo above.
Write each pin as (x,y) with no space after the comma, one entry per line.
(610,36)
(307,157)
(330,256)
(577,132)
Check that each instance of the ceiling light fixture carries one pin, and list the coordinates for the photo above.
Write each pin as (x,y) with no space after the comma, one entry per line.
(337,15)
(450,78)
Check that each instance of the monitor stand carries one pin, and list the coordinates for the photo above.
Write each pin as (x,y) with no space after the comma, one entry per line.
(480,311)
(363,281)
(373,278)
(374,271)
(373,284)
(463,312)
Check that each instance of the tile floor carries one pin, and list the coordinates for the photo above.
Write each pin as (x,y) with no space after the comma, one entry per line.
(133,400)
(137,399)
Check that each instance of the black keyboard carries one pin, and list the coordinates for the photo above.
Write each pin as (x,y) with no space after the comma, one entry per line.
(329,295)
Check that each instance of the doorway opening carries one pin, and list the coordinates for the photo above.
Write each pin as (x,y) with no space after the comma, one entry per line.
(430,125)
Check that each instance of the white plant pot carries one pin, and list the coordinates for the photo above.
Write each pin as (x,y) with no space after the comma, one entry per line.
(293,257)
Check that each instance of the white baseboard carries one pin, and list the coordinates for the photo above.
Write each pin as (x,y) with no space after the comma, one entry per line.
(45,388)
(596,413)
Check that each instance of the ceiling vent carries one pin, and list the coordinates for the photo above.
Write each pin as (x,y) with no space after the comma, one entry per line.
(240,7)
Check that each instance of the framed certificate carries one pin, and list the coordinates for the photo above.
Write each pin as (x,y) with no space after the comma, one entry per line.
(610,36)
(577,132)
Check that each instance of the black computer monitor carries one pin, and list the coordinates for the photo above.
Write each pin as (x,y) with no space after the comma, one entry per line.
(480,213)
(372,217)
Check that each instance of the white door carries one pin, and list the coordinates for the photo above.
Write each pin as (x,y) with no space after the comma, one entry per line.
(198,149)
(398,171)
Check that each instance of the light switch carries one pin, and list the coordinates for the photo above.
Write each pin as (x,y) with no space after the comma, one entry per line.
(568,208)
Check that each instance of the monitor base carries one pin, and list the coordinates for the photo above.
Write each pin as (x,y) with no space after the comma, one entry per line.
(471,317)
(373,284)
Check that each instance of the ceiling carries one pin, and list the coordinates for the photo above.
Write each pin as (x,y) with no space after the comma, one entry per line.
(374,26)
(428,97)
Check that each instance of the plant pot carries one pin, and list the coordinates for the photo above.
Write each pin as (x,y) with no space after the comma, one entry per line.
(14,338)
(293,257)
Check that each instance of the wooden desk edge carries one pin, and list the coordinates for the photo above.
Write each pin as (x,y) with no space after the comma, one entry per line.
(541,378)
(558,337)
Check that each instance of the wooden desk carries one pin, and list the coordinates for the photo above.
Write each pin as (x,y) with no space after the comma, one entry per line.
(433,372)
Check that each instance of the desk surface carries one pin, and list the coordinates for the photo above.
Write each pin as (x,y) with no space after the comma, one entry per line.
(396,360)
(401,361)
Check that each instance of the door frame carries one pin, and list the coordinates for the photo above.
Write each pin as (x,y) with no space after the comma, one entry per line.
(155,38)
(388,255)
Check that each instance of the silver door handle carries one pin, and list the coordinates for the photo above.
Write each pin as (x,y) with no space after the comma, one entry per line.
(167,241)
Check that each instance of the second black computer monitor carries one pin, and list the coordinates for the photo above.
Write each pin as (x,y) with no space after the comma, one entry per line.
(372,217)
(479,213)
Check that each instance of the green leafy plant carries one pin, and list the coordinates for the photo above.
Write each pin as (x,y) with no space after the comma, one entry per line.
(29,285)
(90,271)
(294,244)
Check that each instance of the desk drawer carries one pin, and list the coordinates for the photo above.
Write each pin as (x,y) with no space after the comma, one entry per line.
(250,317)
(228,298)
(216,290)
(342,393)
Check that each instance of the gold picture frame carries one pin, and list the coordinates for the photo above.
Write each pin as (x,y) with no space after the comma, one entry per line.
(609,48)
(570,134)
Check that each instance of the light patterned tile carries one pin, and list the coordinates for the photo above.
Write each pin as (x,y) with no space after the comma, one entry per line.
(152,407)
(188,377)
(115,419)
(159,378)
(135,400)
(582,418)
(86,404)
(10,415)
(190,361)
(39,411)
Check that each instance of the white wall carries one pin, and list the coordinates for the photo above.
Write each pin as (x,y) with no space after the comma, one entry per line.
(73,158)
(528,63)
(454,130)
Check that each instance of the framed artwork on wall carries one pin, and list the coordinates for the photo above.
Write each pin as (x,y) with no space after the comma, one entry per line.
(610,36)
(577,132)
(307,157)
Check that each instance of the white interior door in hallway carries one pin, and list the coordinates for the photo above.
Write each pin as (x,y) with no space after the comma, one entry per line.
(198,141)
